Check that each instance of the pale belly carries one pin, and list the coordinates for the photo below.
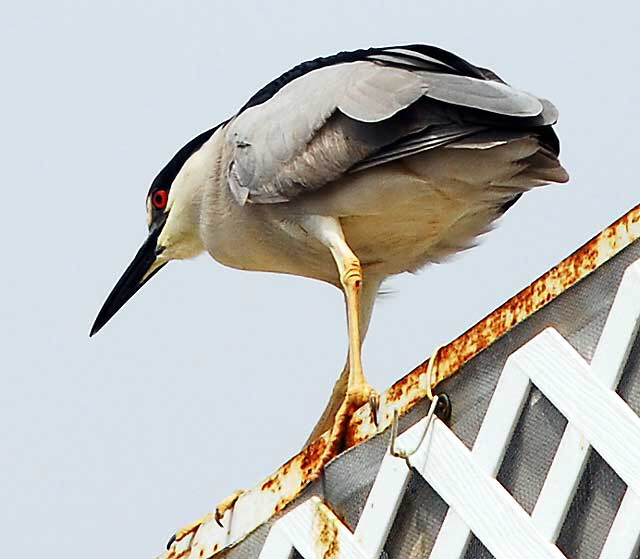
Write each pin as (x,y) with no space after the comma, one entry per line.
(396,220)
(401,224)
(404,239)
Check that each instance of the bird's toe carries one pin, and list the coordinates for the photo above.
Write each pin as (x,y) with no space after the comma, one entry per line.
(374,406)
(227,505)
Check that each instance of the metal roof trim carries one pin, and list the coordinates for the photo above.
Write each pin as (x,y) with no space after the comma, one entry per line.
(205,538)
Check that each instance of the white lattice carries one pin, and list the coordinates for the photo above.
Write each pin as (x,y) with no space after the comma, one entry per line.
(465,479)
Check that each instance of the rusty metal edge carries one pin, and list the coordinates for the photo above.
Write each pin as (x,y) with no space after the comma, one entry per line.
(206,539)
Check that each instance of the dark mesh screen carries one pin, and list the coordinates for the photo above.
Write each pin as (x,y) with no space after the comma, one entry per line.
(531,450)
(592,511)
(475,550)
(417,523)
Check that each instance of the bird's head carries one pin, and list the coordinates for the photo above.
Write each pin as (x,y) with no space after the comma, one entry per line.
(172,215)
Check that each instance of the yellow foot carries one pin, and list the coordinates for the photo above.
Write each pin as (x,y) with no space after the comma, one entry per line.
(354,399)
(361,395)
(220,511)
(227,505)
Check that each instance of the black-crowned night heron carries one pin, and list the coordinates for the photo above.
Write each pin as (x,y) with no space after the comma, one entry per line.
(349,169)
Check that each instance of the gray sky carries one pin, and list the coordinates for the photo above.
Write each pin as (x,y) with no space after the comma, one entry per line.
(210,378)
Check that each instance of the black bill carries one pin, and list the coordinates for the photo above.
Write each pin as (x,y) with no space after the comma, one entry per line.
(131,281)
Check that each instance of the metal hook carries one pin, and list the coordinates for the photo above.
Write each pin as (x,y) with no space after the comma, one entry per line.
(440,405)
(400,453)
(432,367)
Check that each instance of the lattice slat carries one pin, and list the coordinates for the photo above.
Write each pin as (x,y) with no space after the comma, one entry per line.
(623,541)
(607,365)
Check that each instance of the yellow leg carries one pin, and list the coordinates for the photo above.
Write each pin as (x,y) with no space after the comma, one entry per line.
(358,392)
(328,417)
(351,280)
(367,295)
(358,389)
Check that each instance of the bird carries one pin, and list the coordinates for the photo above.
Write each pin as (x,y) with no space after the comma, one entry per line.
(350,169)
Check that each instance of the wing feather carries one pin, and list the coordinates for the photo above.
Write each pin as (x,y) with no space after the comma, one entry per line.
(377,92)
(349,116)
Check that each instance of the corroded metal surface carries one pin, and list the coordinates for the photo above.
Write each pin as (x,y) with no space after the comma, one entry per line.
(325,534)
(206,538)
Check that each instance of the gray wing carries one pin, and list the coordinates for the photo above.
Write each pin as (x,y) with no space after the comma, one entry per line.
(349,116)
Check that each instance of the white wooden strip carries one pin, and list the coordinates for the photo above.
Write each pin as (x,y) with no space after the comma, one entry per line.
(563,376)
(452,539)
(620,330)
(382,505)
(623,540)
(277,545)
(608,363)
(486,507)
(317,533)
(488,451)
(561,483)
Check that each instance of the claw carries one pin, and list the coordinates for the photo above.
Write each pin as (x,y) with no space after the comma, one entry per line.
(226,505)
(172,539)
(374,405)
(189,529)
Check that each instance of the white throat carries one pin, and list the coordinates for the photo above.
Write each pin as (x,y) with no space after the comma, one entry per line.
(180,235)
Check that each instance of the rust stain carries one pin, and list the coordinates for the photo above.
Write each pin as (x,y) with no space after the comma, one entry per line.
(173,555)
(191,528)
(305,464)
(281,504)
(310,458)
(356,423)
(272,483)
(326,533)
(398,389)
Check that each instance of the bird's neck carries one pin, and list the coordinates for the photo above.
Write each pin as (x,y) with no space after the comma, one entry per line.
(215,199)
(181,235)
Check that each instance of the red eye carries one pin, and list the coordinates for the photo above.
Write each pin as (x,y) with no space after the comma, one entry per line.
(159,199)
